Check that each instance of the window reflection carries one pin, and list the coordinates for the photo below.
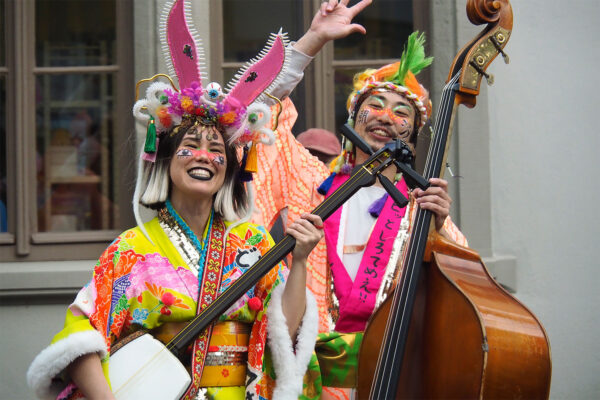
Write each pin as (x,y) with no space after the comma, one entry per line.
(343,88)
(388,24)
(74,115)
(247,25)
(74,160)
(3,166)
(75,32)
(243,37)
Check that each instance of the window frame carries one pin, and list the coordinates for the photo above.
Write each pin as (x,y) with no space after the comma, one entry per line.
(23,242)
(319,76)
(7,71)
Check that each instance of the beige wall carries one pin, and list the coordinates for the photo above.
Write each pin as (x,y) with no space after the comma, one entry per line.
(528,155)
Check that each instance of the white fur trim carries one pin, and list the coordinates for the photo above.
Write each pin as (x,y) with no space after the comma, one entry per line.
(56,357)
(290,367)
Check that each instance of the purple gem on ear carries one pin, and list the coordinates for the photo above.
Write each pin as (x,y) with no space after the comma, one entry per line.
(253,75)
(187,50)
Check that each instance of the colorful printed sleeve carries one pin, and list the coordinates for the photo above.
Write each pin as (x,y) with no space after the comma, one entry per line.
(133,285)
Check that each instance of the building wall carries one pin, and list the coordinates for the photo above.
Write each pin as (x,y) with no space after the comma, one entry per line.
(541,163)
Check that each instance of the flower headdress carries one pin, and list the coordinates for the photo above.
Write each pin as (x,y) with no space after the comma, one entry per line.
(239,111)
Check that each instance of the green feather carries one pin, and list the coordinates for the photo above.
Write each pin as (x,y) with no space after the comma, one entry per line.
(413,58)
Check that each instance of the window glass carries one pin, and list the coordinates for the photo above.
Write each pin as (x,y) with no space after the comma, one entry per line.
(247,25)
(343,88)
(3,166)
(388,24)
(246,29)
(3,191)
(75,32)
(2,35)
(74,114)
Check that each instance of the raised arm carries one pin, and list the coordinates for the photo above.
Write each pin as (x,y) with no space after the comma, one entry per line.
(332,21)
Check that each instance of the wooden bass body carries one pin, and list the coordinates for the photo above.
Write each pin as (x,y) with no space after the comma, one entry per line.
(143,368)
(468,338)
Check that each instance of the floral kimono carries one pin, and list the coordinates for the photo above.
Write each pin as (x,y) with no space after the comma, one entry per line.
(145,282)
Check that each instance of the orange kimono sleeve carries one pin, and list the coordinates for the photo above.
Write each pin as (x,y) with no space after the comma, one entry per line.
(286,182)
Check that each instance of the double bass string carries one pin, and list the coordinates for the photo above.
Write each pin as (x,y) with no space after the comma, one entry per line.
(412,269)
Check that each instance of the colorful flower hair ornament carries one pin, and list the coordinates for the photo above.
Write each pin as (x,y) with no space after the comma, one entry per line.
(239,111)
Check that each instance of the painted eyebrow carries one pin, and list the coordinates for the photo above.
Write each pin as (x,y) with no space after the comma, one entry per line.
(402,105)
(214,142)
(379,98)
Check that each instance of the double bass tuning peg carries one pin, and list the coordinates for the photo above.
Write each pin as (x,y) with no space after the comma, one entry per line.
(488,77)
(494,41)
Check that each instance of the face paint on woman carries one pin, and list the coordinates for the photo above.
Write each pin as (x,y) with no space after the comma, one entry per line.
(216,159)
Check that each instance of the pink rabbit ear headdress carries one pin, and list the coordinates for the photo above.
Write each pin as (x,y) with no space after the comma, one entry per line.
(240,111)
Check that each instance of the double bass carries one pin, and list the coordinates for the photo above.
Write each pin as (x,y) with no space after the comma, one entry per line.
(448,329)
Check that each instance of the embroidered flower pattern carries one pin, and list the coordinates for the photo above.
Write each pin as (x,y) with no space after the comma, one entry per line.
(164,297)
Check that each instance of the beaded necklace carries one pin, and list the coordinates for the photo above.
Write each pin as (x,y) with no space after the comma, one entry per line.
(201,248)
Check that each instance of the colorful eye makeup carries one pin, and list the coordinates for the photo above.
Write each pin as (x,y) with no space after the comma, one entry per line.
(397,119)
(216,159)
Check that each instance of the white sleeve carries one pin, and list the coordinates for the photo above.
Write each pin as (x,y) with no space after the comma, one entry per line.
(290,362)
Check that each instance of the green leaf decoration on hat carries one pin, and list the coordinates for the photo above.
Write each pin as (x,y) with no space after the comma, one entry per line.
(413,58)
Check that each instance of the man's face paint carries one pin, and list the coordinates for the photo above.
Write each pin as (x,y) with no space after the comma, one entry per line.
(396,115)
(363,115)
(385,115)
(216,159)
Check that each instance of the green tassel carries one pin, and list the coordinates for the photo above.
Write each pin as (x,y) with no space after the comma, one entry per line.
(150,145)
